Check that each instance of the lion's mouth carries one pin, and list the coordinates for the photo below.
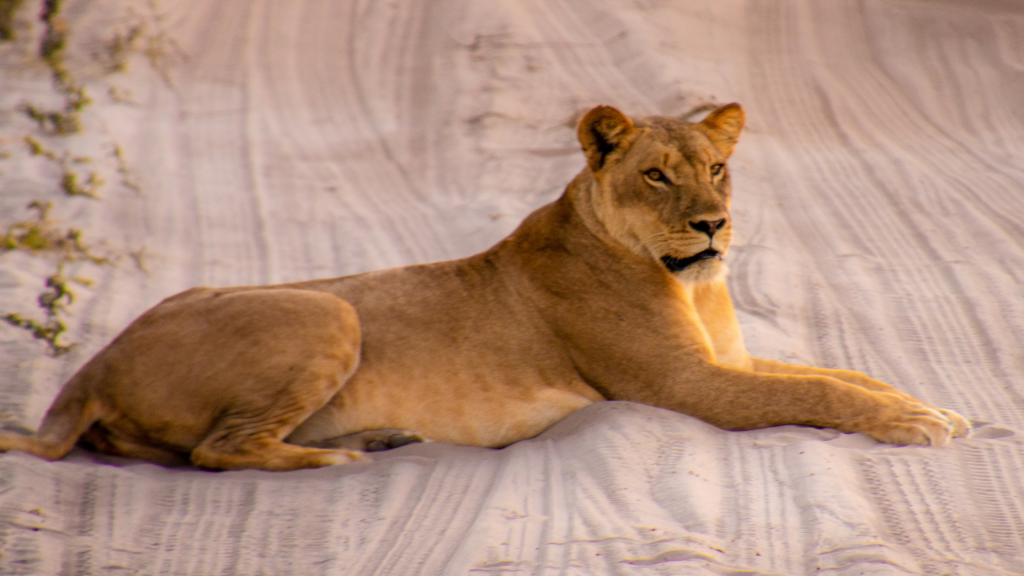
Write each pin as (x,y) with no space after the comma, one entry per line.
(676,264)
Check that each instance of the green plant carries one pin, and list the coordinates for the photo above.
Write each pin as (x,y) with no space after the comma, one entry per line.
(7,10)
(48,331)
(69,179)
(127,176)
(51,50)
(121,45)
(69,184)
(42,235)
(54,300)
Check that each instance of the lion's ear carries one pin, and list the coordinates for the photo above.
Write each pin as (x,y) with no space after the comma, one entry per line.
(723,127)
(600,132)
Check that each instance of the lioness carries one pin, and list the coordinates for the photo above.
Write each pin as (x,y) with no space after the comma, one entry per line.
(615,291)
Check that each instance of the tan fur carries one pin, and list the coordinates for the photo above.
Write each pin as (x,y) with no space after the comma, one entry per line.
(589,299)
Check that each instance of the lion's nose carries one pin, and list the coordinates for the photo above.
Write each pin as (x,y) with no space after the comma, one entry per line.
(708,227)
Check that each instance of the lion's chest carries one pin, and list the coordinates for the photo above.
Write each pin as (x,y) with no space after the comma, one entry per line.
(715,316)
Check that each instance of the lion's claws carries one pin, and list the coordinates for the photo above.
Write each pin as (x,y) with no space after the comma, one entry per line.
(922,425)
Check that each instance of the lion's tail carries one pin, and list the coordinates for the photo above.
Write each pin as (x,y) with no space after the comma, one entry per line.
(72,413)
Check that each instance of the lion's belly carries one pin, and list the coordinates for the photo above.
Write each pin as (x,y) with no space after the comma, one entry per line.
(451,352)
(468,412)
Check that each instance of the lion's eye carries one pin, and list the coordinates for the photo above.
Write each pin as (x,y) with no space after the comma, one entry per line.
(655,175)
(716,169)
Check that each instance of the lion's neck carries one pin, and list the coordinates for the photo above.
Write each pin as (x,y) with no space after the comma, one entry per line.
(570,228)
(580,196)
(583,196)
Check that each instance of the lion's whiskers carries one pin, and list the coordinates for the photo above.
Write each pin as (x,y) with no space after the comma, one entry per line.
(661,243)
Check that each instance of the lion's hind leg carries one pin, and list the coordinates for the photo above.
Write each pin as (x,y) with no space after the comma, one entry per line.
(251,432)
(372,440)
(266,453)
(102,439)
(248,368)
(254,438)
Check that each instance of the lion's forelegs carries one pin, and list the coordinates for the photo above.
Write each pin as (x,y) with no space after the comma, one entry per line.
(961,425)
(741,400)
(775,367)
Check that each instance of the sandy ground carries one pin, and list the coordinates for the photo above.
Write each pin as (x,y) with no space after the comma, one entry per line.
(879,201)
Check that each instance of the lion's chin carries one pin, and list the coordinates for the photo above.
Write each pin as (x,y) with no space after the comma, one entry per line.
(701,267)
(679,264)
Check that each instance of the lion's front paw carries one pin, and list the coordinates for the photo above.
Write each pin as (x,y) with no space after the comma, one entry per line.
(911,422)
(961,425)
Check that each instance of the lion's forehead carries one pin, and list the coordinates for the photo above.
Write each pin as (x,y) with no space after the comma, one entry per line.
(674,143)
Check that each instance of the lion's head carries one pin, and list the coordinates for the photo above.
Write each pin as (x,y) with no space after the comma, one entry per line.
(662,185)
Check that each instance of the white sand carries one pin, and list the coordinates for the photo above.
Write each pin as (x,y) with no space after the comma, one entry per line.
(879,199)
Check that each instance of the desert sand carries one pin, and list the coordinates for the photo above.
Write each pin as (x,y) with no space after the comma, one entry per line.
(879,207)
